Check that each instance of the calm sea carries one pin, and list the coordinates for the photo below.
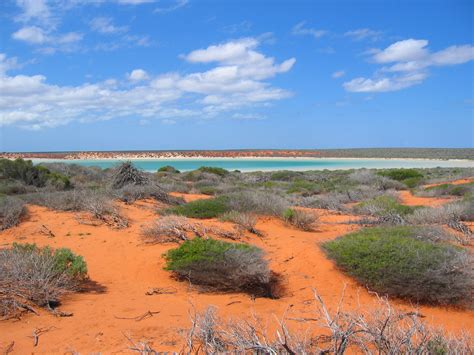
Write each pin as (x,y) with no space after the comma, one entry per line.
(271,164)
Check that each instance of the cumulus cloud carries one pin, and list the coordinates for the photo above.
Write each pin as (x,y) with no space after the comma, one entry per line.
(406,64)
(238,80)
(138,75)
(300,29)
(37,36)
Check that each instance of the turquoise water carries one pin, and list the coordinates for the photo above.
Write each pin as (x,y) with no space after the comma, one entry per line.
(271,164)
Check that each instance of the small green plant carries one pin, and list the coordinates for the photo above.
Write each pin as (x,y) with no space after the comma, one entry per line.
(301,186)
(383,205)
(221,266)
(410,177)
(209,208)
(168,169)
(64,260)
(207,190)
(394,261)
(213,170)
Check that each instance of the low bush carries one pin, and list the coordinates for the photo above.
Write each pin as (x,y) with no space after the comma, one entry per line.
(168,169)
(284,175)
(303,186)
(457,211)
(392,261)
(213,170)
(207,190)
(330,201)
(410,177)
(379,329)
(168,229)
(222,266)
(300,219)
(33,276)
(386,208)
(29,174)
(258,202)
(132,193)
(11,211)
(448,190)
(245,220)
(208,208)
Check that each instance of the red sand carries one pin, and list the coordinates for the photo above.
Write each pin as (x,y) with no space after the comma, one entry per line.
(455,182)
(126,268)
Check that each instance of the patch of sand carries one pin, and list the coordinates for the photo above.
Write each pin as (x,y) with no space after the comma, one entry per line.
(190,197)
(125,269)
(454,182)
(407,198)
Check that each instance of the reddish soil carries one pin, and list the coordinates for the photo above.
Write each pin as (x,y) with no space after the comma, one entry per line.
(455,182)
(407,198)
(125,268)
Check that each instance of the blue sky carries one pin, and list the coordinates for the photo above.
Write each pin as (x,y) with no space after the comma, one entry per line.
(189,74)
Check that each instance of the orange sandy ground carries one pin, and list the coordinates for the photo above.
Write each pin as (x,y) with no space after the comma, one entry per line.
(455,182)
(124,269)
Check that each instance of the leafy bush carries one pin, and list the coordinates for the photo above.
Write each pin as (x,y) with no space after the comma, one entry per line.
(448,190)
(29,174)
(300,219)
(207,190)
(384,205)
(222,266)
(11,211)
(392,261)
(213,170)
(209,208)
(302,186)
(38,276)
(284,175)
(410,177)
(168,169)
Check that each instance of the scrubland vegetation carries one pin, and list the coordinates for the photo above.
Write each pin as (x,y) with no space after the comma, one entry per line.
(415,253)
(33,276)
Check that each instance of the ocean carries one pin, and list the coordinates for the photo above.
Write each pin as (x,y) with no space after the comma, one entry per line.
(269,164)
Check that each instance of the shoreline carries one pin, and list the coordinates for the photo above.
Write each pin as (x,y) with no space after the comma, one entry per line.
(256,158)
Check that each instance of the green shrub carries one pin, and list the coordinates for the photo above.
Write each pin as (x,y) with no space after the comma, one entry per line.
(383,205)
(392,261)
(207,190)
(39,276)
(401,174)
(449,190)
(64,260)
(410,177)
(168,169)
(303,186)
(284,175)
(213,170)
(29,174)
(209,208)
(221,266)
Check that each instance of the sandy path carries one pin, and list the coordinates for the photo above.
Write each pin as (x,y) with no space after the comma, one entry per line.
(125,269)
(454,182)
(407,198)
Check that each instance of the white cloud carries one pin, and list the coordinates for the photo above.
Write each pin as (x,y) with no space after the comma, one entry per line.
(36,36)
(105,25)
(175,5)
(363,33)
(299,29)
(338,74)
(138,75)
(31,34)
(410,60)
(34,10)
(403,51)
(236,82)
